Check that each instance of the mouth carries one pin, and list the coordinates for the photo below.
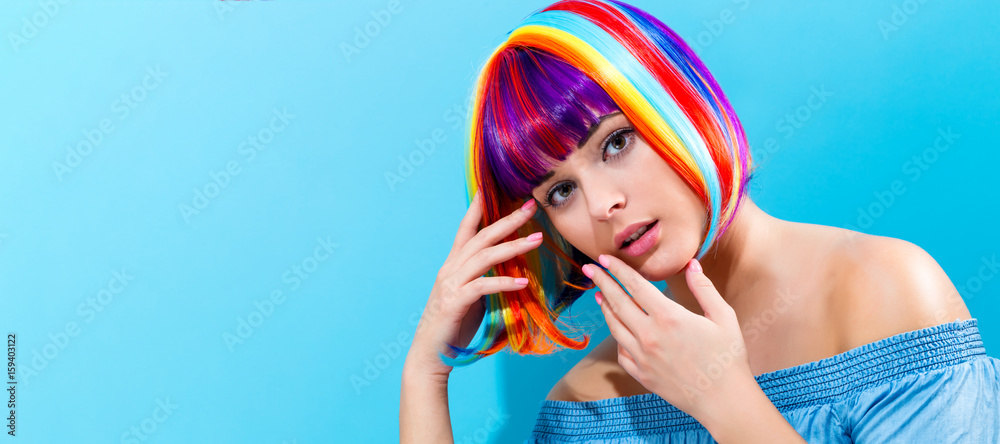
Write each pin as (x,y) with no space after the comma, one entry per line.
(642,240)
(632,233)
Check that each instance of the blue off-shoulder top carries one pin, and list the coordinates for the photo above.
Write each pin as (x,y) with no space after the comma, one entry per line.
(933,385)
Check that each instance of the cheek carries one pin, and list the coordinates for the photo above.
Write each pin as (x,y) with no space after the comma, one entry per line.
(683,219)
(679,237)
(578,231)
(682,214)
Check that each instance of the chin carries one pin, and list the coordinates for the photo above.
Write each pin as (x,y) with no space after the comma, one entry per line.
(660,265)
(666,260)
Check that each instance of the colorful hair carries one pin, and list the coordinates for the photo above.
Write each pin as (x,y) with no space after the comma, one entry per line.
(538,93)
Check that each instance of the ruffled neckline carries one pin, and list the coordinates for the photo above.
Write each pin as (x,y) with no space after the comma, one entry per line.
(817,382)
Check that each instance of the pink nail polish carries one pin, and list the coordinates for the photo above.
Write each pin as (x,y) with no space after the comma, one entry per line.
(529,205)
(521,281)
(588,271)
(599,297)
(694,265)
(603,259)
(535,237)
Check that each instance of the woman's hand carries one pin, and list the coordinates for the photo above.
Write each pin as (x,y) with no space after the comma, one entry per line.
(690,361)
(456,304)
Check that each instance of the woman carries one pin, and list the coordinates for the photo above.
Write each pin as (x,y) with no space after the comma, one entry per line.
(772,331)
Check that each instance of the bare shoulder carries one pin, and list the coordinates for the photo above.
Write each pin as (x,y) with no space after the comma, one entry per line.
(596,376)
(885,286)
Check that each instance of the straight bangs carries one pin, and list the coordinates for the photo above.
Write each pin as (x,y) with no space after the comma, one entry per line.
(535,113)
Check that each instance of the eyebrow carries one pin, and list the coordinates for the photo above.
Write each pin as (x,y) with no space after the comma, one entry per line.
(586,137)
(593,128)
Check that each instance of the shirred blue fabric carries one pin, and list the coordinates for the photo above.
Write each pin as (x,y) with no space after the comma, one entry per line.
(933,385)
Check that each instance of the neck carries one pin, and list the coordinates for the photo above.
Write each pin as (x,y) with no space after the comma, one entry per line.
(740,260)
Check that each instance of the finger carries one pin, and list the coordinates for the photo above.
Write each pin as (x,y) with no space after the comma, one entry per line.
(712,304)
(498,230)
(638,286)
(621,333)
(486,258)
(615,298)
(624,353)
(470,223)
(490,285)
(627,362)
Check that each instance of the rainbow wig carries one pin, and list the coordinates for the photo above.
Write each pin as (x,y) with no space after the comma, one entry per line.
(538,93)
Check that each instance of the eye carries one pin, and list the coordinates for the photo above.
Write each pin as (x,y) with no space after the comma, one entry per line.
(617,142)
(559,193)
(613,146)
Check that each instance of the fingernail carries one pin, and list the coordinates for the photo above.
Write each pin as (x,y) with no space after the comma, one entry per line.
(599,297)
(588,271)
(603,259)
(694,265)
(521,281)
(535,237)
(528,206)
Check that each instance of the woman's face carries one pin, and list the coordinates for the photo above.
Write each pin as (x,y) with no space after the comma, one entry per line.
(615,183)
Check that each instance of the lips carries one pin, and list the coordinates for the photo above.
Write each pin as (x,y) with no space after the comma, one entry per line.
(623,236)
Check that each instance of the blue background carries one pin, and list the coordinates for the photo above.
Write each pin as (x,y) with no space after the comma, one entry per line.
(176,333)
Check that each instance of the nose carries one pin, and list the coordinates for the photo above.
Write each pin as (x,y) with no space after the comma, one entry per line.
(604,198)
